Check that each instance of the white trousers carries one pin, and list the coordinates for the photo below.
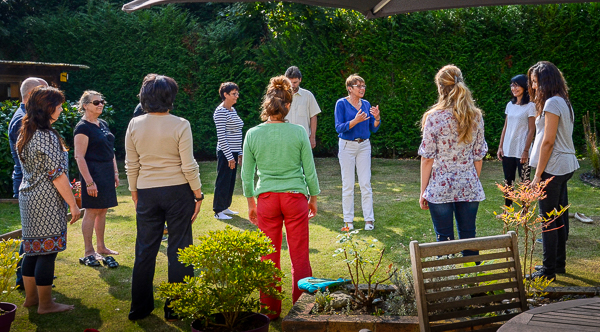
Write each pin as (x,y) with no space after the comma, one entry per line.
(356,155)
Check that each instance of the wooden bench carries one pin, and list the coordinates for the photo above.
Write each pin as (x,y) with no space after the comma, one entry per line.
(454,296)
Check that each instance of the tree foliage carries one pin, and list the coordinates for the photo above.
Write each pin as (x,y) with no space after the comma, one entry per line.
(202,45)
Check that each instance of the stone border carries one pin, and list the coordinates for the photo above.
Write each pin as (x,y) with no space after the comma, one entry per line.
(299,318)
(557,292)
(584,178)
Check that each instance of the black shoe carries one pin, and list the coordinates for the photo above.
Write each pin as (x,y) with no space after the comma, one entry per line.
(133,315)
(170,315)
(540,273)
(558,270)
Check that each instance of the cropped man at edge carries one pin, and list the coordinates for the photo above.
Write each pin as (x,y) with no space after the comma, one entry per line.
(304,108)
(13,134)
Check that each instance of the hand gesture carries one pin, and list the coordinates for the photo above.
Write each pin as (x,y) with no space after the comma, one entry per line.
(240,158)
(92,190)
(232,163)
(312,207)
(75,213)
(423,203)
(500,153)
(253,215)
(116,180)
(525,157)
(375,112)
(196,210)
(360,117)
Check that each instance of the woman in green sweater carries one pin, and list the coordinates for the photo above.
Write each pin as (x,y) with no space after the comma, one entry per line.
(281,155)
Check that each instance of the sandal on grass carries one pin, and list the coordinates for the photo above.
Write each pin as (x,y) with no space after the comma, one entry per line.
(89,261)
(110,262)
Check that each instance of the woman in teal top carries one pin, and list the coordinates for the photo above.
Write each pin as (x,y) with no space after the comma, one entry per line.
(281,155)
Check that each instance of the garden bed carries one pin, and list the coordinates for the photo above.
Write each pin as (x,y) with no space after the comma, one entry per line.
(301,319)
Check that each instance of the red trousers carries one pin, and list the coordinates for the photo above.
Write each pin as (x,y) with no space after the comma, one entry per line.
(273,209)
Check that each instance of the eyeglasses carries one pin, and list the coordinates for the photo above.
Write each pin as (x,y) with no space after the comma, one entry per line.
(98,102)
(237,94)
(360,86)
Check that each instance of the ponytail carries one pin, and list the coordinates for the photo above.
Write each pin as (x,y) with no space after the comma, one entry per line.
(455,95)
(279,94)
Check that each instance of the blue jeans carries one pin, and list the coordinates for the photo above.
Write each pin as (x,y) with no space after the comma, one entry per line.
(442,215)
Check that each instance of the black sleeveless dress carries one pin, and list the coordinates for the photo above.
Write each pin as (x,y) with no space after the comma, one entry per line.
(99,159)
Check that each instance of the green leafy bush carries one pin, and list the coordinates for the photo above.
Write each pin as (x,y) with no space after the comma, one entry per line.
(9,258)
(229,272)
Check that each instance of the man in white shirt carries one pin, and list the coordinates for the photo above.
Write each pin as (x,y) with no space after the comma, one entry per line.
(304,108)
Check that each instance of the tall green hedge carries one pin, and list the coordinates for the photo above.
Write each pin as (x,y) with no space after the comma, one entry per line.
(64,125)
(250,42)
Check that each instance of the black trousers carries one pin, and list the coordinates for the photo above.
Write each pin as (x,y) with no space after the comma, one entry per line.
(554,237)
(174,204)
(41,267)
(225,183)
(510,166)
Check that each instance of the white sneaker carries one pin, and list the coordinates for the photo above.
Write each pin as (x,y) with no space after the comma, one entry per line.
(227,211)
(222,216)
(583,218)
(370,227)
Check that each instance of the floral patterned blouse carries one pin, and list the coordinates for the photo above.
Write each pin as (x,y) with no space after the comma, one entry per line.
(453,176)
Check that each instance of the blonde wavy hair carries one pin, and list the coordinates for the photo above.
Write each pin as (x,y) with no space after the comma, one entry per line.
(279,93)
(453,94)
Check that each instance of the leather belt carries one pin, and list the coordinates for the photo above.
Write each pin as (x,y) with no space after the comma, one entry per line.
(360,140)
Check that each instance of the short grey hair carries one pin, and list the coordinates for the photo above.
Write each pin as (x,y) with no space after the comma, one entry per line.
(29,84)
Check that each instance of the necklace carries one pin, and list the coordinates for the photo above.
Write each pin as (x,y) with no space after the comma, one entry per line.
(357,106)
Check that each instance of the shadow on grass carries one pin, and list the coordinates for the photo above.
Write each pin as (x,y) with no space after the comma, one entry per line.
(562,282)
(241,223)
(114,278)
(82,315)
(157,323)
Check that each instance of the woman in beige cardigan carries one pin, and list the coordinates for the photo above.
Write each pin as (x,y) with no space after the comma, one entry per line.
(165,187)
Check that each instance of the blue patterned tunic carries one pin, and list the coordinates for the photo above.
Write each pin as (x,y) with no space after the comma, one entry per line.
(43,210)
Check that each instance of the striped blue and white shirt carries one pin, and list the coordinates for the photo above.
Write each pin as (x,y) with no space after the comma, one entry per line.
(229,131)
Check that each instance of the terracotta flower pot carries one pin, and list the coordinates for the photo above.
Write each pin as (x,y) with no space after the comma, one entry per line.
(257,323)
(8,317)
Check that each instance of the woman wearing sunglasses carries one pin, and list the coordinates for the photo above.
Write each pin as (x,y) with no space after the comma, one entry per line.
(99,176)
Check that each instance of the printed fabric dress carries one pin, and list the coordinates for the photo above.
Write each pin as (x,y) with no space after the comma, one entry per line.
(453,175)
(43,210)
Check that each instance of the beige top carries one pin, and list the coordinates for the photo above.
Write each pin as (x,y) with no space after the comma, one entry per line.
(304,106)
(159,152)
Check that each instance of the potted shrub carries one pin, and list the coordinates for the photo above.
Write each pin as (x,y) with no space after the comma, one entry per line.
(229,272)
(9,258)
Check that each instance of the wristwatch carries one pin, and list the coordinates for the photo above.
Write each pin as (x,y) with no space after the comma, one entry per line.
(199,198)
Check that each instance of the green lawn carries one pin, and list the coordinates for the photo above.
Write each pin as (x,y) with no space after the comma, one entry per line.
(102,296)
